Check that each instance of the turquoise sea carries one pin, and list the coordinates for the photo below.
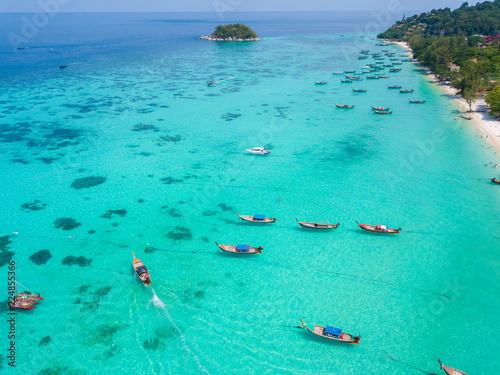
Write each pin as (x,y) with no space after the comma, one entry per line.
(132,114)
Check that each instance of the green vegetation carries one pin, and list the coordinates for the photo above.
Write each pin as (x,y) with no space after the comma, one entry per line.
(462,46)
(235,31)
(493,100)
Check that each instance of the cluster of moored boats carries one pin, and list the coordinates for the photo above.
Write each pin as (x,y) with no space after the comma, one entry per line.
(377,72)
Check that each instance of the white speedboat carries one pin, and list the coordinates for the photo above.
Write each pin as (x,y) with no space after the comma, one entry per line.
(258,151)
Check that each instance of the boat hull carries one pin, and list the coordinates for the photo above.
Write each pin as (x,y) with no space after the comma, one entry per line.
(233,250)
(373,228)
(318,225)
(251,219)
(320,331)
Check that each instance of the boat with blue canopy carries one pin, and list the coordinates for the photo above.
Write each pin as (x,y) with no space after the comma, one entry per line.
(240,249)
(256,218)
(332,333)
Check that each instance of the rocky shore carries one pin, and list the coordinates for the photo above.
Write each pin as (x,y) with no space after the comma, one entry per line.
(229,39)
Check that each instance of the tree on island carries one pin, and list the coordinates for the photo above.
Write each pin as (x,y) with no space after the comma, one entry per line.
(235,31)
(471,79)
(493,100)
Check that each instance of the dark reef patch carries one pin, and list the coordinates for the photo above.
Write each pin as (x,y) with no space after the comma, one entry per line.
(224,207)
(14,133)
(140,200)
(167,138)
(230,116)
(20,161)
(149,249)
(64,134)
(4,243)
(66,223)
(179,233)
(91,231)
(170,180)
(44,341)
(81,261)
(209,213)
(87,182)
(40,257)
(5,257)
(144,127)
(151,344)
(204,239)
(33,206)
(110,213)
(114,224)
(60,370)
(107,354)
(172,211)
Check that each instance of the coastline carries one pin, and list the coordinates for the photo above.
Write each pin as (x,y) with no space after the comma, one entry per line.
(487,125)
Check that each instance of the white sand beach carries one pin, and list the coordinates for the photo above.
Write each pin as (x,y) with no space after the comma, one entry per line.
(488,126)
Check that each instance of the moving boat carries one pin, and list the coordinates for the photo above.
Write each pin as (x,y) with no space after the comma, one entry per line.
(344,106)
(321,83)
(258,151)
(332,333)
(495,180)
(256,218)
(359,90)
(24,300)
(380,108)
(382,112)
(62,66)
(378,228)
(405,91)
(451,370)
(240,249)
(417,101)
(394,87)
(141,271)
(318,225)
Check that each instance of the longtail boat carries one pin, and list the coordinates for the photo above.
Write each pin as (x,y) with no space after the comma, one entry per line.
(332,333)
(417,101)
(344,106)
(394,87)
(364,52)
(372,77)
(349,71)
(450,370)
(397,63)
(141,271)
(395,70)
(495,180)
(321,83)
(318,225)
(346,80)
(385,77)
(380,108)
(382,112)
(362,57)
(355,78)
(62,66)
(465,117)
(24,300)
(359,90)
(378,228)
(338,74)
(256,218)
(405,91)
(240,249)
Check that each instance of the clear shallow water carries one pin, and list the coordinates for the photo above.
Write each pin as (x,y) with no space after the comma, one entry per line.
(133,107)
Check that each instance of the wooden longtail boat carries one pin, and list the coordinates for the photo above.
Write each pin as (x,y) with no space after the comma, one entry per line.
(385,77)
(346,80)
(359,90)
(405,91)
(344,106)
(338,74)
(256,218)
(62,66)
(372,77)
(378,228)
(321,83)
(240,249)
(364,52)
(382,112)
(465,117)
(318,225)
(24,300)
(355,78)
(349,71)
(380,108)
(332,333)
(394,87)
(417,101)
(141,271)
(495,180)
(397,63)
(450,370)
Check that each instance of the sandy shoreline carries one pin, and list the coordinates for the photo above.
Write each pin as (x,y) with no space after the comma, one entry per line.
(487,125)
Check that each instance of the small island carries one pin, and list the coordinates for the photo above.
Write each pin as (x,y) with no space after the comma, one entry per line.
(232,33)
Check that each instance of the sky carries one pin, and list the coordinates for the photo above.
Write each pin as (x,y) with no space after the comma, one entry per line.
(32,6)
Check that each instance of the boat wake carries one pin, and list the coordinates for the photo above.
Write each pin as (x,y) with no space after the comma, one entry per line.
(227,79)
(158,303)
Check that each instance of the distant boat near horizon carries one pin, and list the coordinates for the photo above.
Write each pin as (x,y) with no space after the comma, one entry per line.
(259,151)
